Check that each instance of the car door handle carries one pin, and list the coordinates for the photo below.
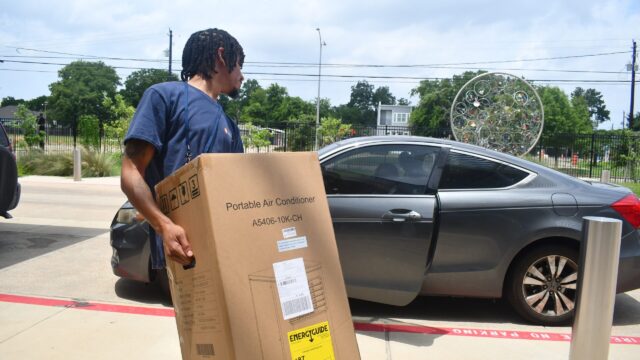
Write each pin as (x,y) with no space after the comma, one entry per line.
(401,215)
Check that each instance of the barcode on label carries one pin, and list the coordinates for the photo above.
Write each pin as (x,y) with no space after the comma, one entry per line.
(295,306)
(205,349)
(287,282)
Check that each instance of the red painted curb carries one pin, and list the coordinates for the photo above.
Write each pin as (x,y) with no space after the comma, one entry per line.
(359,326)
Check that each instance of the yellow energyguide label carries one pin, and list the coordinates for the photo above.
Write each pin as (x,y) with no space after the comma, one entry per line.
(311,343)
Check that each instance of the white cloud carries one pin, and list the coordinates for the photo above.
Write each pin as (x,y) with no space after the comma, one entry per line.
(374,32)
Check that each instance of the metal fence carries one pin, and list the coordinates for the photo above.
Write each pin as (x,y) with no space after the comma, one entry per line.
(579,155)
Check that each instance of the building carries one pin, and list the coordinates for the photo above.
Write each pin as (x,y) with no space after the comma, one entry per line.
(393,119)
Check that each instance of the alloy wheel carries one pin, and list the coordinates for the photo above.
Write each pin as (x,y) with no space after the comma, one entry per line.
(549,285)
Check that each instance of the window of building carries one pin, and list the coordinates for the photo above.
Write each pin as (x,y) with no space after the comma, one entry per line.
(400,118)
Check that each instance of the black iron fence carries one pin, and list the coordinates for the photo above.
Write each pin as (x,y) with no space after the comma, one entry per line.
(579,155)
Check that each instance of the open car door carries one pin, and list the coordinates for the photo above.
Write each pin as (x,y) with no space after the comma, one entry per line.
(383,203)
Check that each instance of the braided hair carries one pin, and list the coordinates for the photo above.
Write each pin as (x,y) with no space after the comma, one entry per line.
(201,50)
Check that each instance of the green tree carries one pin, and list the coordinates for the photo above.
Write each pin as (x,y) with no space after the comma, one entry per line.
(139,81)
(332,130)
(256,137)
(37,104)
(80,90)
(89,131)
(593,98)
(559,115)
(383,96)
(403,101)
(233,107)
(121,113)
(10,100)
(29,126)
(634,123)
(432,114)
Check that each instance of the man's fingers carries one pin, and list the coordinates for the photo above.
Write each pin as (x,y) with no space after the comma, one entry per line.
(186,246)
(175,252)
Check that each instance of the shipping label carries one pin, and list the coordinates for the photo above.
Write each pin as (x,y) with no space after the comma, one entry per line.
(293,288)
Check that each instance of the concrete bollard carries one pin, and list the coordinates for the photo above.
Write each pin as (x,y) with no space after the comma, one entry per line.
(598,272)
(605,177)
(77,165)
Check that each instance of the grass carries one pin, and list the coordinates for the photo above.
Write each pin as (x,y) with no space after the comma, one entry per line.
(635,187)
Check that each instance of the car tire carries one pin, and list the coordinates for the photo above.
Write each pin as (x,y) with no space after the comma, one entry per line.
(541,286)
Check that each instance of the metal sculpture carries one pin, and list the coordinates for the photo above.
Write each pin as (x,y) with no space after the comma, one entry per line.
(498,111)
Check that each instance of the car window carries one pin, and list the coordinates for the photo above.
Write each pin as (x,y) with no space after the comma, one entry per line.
(464,171)
(380,169)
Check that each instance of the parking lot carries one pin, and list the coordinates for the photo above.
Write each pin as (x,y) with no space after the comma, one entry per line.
(59,299)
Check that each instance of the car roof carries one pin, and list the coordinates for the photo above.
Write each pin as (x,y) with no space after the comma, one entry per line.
(370,140)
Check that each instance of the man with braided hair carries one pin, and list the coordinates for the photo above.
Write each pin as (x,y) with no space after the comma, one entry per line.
(175,122)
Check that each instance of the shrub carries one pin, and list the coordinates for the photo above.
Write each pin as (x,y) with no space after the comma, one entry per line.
(94,163)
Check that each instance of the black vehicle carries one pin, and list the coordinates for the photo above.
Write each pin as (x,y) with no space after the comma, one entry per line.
(9,186)
(419,216)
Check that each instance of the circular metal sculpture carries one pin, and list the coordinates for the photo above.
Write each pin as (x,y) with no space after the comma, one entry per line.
(498,111)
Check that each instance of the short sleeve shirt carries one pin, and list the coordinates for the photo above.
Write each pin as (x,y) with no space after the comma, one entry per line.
(161,120)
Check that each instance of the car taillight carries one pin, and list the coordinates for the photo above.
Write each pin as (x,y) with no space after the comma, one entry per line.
(629,208)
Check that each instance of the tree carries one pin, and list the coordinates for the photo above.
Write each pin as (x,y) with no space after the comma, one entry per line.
(362,105)
(256,137)
(634,123)
(559,115)
(403,101)
(432,114)
(138,81)
(37,104)
(597,109)
(10,100)
(362,96)
(121,113)
(332,130)
(81,91)
(383,96)
(29,126)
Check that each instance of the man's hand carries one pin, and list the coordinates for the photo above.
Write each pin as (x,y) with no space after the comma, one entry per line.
(175,243)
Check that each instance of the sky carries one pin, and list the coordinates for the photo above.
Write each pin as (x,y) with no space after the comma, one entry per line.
(564,43)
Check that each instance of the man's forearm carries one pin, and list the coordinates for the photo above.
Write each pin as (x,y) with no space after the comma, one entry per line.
(140,196)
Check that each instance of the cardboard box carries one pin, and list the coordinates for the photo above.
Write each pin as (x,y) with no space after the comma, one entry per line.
(267,282)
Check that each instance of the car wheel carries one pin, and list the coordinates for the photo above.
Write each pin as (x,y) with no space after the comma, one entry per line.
(542,285)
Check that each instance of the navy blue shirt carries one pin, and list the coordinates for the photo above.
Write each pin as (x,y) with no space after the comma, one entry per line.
(160,120)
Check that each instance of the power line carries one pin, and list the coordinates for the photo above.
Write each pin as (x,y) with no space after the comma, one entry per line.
(361,76)
(306,64)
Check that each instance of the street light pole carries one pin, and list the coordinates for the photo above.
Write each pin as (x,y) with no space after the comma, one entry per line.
(318,99)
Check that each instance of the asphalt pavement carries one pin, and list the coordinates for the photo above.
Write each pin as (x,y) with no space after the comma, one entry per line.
(59,299)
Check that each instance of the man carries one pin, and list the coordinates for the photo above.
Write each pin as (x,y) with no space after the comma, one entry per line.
(175,122)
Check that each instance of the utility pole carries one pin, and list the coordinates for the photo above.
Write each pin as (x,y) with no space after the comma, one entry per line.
(633,84)
(315,147)
(170,49)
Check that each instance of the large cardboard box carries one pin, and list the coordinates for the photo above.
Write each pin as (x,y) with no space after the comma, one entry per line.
(267,283)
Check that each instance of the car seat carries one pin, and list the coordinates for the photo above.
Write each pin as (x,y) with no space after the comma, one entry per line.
(386,171)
